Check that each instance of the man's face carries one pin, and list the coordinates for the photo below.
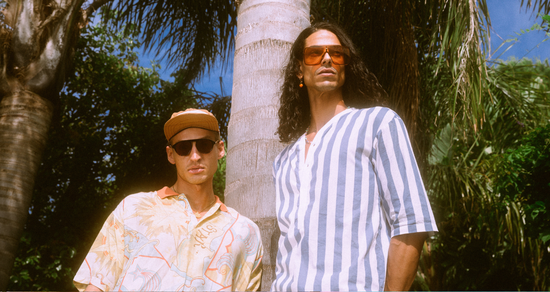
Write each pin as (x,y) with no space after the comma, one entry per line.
(196,168)
(324,77)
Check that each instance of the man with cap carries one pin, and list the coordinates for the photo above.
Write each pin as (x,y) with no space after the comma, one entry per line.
(182,237)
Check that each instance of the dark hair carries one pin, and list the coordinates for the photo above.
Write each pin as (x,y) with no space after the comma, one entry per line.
(361,88)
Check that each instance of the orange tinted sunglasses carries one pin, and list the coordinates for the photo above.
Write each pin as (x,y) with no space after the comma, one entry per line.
(314,55)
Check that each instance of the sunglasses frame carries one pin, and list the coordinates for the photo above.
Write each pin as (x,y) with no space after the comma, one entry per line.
(194,142)
(327,50)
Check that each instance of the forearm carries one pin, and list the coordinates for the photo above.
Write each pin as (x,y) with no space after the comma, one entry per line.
(91,287)
(403,256)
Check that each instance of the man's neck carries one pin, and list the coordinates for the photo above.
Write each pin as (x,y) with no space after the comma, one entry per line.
(199,196)
(324,107)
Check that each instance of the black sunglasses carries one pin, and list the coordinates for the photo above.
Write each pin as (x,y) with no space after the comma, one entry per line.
(204,146)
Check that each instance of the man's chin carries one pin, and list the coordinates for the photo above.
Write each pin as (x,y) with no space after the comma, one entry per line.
(197,179)
(327,87)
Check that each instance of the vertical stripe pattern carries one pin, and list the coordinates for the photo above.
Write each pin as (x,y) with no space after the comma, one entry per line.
(338,207)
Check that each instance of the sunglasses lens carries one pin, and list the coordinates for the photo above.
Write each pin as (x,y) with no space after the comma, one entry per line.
(339,54)
(183,148)
(313,55)
(204,146)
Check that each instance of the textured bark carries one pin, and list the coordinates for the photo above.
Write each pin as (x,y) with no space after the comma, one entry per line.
(265,33)
(37,39)
(24,122)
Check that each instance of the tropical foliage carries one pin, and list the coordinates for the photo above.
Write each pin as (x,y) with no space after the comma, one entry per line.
(524,176)
(482,244)
(188,34)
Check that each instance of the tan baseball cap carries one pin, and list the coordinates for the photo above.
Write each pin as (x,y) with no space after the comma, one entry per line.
(190,118)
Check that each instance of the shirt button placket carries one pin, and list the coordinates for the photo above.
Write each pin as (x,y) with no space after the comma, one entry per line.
(310,152)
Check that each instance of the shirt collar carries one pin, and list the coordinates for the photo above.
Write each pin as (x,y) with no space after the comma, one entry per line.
(167,192)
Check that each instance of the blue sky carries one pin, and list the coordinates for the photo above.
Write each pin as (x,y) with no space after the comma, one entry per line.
(506,18)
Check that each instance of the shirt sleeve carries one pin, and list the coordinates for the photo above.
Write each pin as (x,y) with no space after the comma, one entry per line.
(403,196)
(255,282)
(249,272)
(105,260)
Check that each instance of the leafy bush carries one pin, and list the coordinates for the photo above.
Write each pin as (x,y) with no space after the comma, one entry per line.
(525,177)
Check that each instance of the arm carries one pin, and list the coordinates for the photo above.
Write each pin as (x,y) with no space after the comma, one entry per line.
(91,287)
(403,258)
(404,200)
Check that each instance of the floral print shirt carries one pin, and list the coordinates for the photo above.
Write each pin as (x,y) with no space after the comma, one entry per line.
(153,242)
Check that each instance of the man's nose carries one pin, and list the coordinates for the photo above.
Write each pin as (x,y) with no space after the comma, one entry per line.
(195,155)
(326,58)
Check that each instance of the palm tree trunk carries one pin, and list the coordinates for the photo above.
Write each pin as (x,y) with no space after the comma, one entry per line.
(24,122)
(265,33)
(37,38)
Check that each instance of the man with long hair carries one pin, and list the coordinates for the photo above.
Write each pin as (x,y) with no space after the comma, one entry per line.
(351,205)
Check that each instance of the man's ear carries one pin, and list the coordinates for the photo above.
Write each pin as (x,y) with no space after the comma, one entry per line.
(170,155)
(221,147)
(300,73)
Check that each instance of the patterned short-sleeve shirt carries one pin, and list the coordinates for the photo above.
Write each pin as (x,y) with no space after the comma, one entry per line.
(338,207)
(153,242)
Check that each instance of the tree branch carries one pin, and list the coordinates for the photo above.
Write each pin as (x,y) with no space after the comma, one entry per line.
(58,12)
(94,7)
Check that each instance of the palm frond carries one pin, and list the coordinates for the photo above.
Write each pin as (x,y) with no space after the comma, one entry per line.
(540,6)
(464,166)
(458,39)
(188,34)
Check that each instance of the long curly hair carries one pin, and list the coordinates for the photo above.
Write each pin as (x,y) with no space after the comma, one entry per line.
(360,90)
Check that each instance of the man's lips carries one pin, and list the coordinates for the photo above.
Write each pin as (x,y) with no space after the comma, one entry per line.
(196,169)
(326,71)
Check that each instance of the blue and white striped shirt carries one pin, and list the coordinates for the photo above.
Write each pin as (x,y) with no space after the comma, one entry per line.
(339,207)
